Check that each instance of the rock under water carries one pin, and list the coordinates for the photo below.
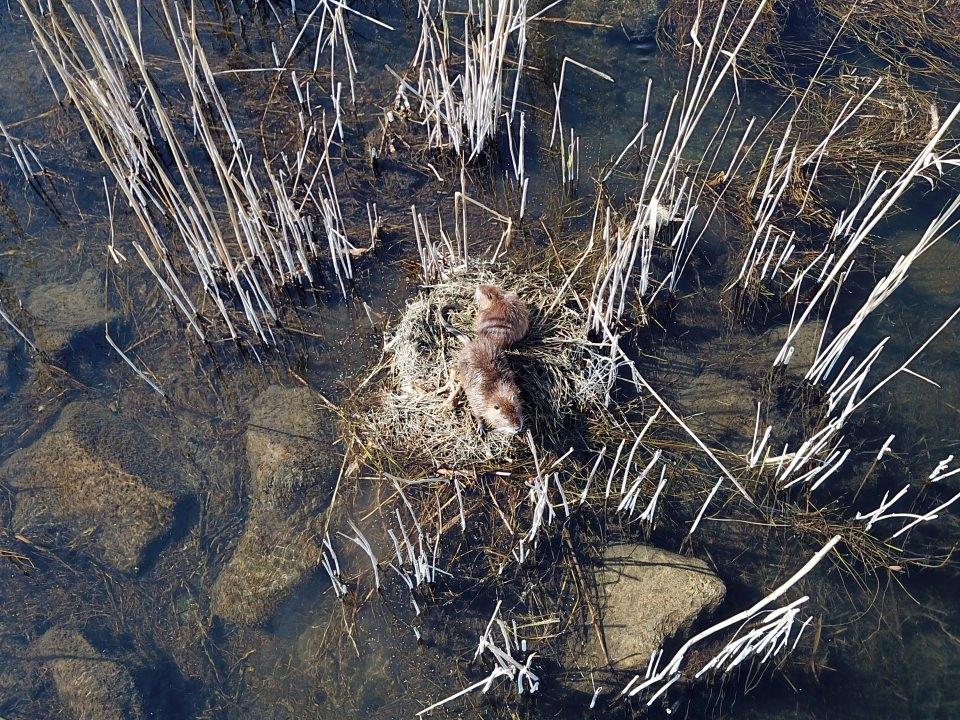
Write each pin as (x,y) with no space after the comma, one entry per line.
(98,475)
(90,686)
(647,596)
(292,471)
(69,315)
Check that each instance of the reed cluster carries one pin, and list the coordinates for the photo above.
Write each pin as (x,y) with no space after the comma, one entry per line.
(609,454)
(261,225)
(459,99)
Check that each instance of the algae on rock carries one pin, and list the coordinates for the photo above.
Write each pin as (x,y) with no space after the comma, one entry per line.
(292,469)
(98,475)
(65,312)
(90,686)
(647,596)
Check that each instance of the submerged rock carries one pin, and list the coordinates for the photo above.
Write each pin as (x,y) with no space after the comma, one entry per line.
(69,315)
(90,686)
(721,408)
(292,470)
(288,442)
(637,19)
(804,345)
(98,475)
(648,595)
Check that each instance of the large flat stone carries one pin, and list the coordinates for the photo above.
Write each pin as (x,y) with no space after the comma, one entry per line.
(97,475)
(647,596)
(90,686)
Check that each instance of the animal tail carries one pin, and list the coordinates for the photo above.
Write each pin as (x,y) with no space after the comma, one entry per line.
(447,324)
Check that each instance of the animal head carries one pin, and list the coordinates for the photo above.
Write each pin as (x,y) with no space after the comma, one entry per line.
(503,412)
(487,295)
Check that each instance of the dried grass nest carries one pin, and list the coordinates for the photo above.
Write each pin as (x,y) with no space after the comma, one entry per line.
(565,380)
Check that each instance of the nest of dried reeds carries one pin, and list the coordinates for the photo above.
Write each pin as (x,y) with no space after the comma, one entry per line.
(565,380)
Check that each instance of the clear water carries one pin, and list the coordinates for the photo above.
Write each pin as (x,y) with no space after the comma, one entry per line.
(892,648)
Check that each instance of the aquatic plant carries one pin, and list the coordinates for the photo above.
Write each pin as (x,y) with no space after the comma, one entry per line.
(438,514)
(277,218)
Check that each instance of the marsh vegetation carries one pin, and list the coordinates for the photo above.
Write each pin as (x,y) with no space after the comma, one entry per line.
(233,482)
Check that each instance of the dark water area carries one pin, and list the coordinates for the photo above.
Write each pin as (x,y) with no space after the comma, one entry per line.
(887,642)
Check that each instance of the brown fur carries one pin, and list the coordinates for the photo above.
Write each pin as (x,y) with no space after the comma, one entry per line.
(489,384)
(501,316)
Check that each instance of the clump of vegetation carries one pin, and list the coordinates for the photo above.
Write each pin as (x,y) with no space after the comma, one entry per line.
(565,379)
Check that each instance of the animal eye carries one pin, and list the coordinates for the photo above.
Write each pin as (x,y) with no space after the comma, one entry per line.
(496,407)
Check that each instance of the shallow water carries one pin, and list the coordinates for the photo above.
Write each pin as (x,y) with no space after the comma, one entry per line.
(890,647)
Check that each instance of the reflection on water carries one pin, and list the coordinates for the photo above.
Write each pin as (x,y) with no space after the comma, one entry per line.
(887,650)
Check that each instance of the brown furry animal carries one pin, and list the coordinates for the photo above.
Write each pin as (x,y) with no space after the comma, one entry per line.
(488,382)
(501,316)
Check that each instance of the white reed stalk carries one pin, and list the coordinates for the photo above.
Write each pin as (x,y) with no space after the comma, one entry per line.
(459,109)
(463,517)
(672,669)
(905,363)
(877,515)
(769,638)
(593,471)
(331,564)
(270,239)
(629,500)
(638,378)
(558,90)
(20,150)
(938,471)
(504,663)
(360,540)
(926,517)
(703,508)
(651,509)
(126,359)
(18,331)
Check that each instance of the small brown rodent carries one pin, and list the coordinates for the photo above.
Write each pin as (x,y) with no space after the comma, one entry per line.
(489,384)
(501,315)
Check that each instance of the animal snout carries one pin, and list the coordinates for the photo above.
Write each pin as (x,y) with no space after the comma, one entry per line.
(512,429)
